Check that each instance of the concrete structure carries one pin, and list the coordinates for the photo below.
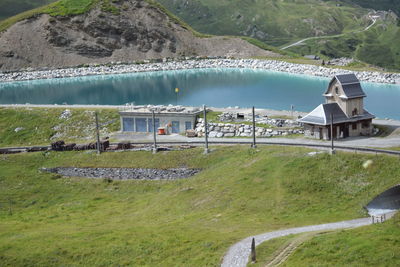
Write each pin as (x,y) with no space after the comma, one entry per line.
(175,119)
(345,101)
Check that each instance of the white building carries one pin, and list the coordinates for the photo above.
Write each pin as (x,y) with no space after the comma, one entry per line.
(175,119)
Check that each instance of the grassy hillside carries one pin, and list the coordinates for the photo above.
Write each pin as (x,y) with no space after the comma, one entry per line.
(378,46)
(43,126)
(280,23)
(352,248)
(393,5)
(374,245)
(274,22)
(192,222)
(10,8)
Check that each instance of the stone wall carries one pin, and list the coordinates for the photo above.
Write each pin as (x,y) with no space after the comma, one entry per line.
(220,130)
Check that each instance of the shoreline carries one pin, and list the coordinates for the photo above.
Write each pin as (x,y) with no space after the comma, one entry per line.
(268,65)
(261,111)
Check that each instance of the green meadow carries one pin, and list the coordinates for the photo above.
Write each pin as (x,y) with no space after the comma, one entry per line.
(374,245)
(48,220)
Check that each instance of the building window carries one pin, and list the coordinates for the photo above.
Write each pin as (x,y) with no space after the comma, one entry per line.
(355,112)
(140,124)
(150,124)
(127,124)
(188,125)
(365,124)
(336,90)
(354,126)
(175,127)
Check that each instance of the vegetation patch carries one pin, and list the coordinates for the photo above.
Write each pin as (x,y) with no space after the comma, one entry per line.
(374,245)
(187,222)
(41,126)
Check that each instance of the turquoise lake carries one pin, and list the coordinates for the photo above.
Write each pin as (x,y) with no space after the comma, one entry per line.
(212,87)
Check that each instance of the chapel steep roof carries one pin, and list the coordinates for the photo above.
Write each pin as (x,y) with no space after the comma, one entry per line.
(350,84)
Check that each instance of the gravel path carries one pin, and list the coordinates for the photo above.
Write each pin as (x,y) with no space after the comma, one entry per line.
(239,253)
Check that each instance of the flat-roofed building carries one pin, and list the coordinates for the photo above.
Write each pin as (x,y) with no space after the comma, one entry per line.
(175,119)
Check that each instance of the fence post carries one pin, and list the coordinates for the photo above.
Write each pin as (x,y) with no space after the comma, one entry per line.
(206,150)
(97,133)
(253,251)
(154,132)
(253,145)
(332,145)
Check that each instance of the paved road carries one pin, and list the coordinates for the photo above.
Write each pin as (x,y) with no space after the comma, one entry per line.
(373,142)
(239,253)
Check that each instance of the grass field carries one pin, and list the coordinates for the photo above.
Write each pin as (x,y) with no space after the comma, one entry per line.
(339,248)
(375,245)
(273,22)
(378,46)
(41,126)
(192,222)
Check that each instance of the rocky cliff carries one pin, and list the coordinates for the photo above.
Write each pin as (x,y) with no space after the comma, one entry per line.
(138,31)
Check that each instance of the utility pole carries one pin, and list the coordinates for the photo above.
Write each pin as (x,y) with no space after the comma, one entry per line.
(154,132)
(206,150)
(253,145)
(97,133)
(332,145)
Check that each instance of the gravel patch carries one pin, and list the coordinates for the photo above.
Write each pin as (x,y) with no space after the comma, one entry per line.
(124,173)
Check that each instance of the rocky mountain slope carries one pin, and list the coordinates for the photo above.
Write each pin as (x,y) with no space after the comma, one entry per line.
(124,31)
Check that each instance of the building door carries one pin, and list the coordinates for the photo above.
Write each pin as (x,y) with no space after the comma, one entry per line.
(140,124)
(175,127)
(345,131)
(188,125)
(127,124)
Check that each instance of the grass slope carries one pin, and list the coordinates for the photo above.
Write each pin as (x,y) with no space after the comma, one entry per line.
(393,5)
(378,46)
(273,22)
(191,222)
(283,22)
(375,245)
(76,7)
(39,125)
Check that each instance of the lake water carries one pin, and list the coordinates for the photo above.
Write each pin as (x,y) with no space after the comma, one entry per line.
(213,87)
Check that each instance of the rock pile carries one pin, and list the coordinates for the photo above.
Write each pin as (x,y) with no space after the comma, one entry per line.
(124,173)
(219,130)
(274,65)
(66,114)
(227,116)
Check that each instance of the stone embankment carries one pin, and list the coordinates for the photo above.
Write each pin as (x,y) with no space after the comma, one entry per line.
(124,173)
(273,65)
(220,130)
